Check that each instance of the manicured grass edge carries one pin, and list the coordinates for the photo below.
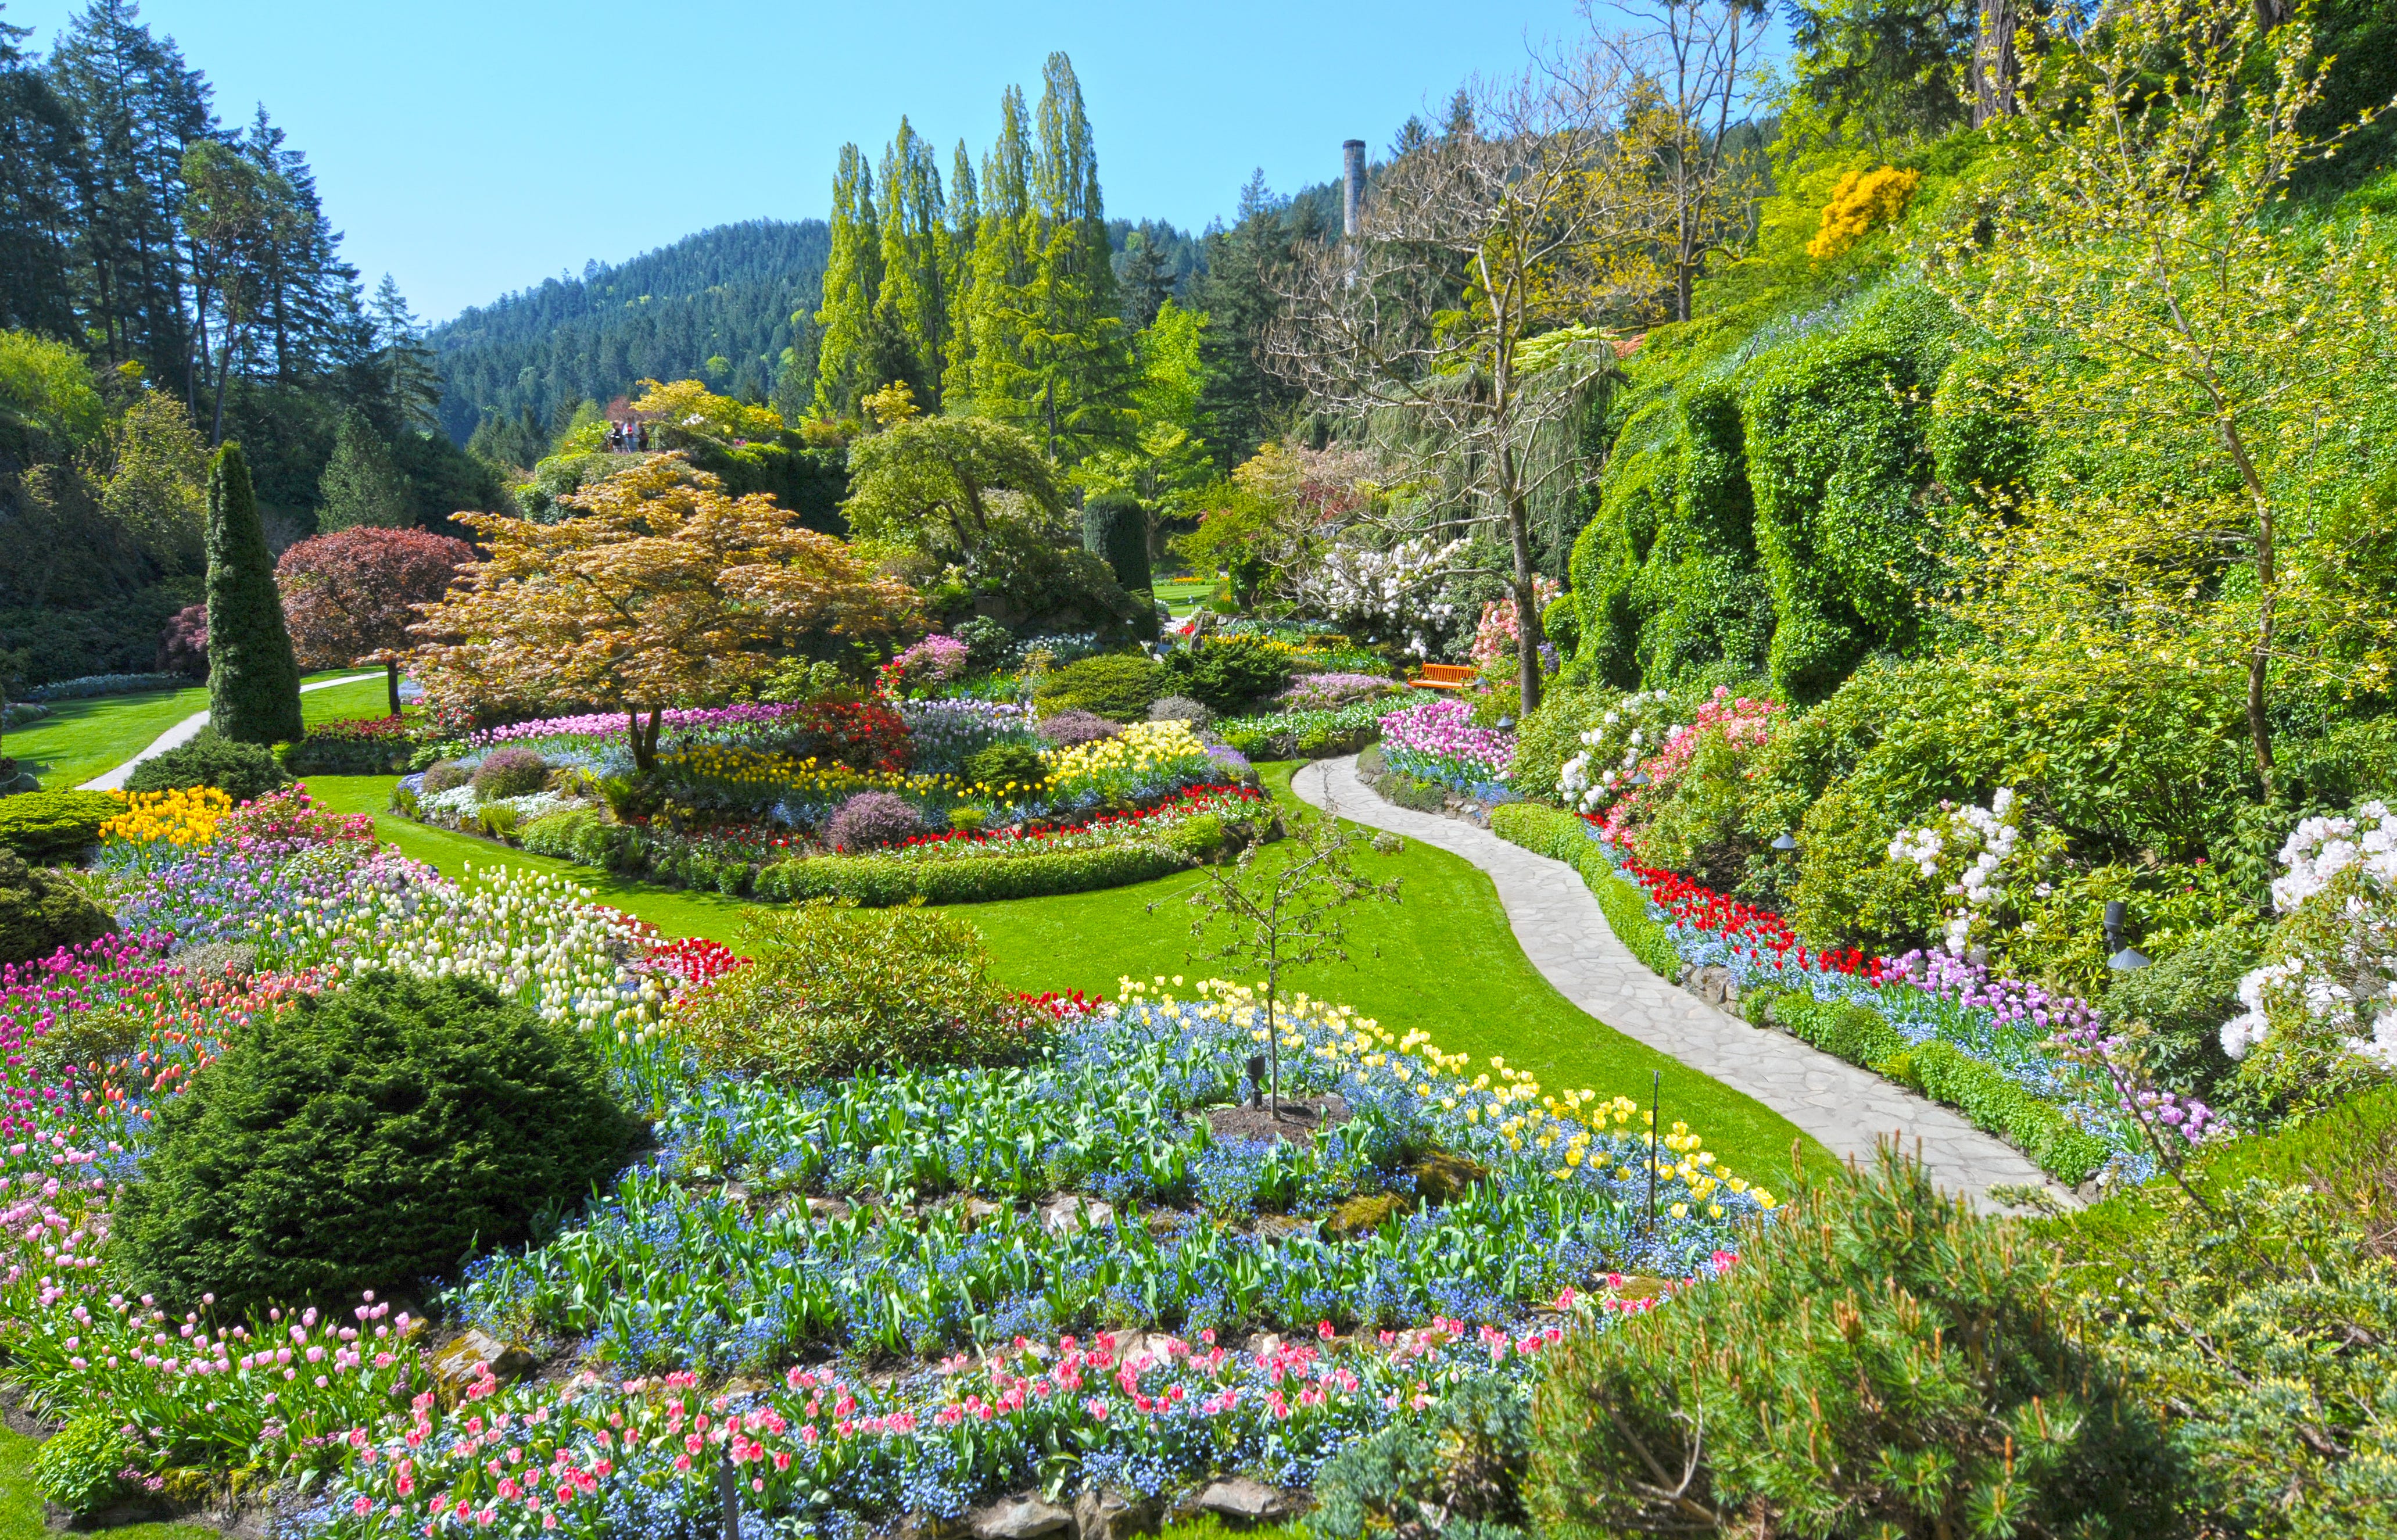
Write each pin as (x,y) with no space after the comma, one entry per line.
(1936,1070)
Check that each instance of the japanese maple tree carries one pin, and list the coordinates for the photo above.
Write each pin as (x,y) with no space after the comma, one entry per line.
(659,589)
(350,596)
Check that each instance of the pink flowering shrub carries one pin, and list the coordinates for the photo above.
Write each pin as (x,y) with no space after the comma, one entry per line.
(1500,629)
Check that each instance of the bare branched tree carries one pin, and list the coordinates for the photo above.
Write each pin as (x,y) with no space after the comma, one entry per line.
(1696,73)
(1455,309)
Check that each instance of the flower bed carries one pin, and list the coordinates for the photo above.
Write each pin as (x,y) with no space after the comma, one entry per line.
(1449,1227)
(377,745)
(1437,741)
(1305,734)
(2034,1067)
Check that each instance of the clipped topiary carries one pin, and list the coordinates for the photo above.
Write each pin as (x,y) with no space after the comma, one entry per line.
(834,989)
(242,771)
(509,773)
(1116,685)
(48,827)
(40,913)
(253,679)
(1114,529)
(370,1136)
(871,820)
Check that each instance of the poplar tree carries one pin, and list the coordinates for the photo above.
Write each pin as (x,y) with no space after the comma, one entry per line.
(965,218)
(911,308)
(253,679)
(1002,268)
(852,282)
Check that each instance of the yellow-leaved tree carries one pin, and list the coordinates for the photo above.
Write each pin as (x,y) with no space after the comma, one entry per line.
(658,589)
(2188,347)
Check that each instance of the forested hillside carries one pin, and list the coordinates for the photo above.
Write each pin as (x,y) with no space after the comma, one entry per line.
(719,306)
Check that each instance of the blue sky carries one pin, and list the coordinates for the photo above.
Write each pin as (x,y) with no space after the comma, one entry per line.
(468,149)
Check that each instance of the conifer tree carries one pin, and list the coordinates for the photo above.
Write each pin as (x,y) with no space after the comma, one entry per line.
(965,219)
(852,282)
(362,484)
(253,679)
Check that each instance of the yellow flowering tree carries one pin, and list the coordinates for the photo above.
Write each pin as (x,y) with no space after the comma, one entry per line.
(660,590)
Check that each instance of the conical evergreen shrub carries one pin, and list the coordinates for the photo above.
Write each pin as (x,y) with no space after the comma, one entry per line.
(253,679)
(1116,531)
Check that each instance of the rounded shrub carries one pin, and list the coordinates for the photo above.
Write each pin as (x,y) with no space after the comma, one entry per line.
(372,1135)
(1116,685)
(80,1467)
(242,771)
(832,989)
(1180,708)
(871,820)
(509,773)
(987,642)
(1006,764)
(1227,673)
(48,827)
(446,775)
(40,913)
(1072,729)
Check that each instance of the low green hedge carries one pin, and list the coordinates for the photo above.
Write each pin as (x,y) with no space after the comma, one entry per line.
(47,827)
(1561,837)
(1947,1075)
(338,753)
(875,883)
(580,835)
(1855,1033)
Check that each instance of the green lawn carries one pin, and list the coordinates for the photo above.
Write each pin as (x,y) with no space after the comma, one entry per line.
(21,1501)
(367,698)
(81,739)
(1442,959)
(1181,595)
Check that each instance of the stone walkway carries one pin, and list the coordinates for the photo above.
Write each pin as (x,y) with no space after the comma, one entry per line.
(184,732)
(1557,919)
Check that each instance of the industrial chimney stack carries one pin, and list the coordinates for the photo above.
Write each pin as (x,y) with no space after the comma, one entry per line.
(1352,187)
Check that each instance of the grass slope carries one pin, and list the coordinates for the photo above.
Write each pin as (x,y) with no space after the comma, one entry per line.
(81,739)
(1442,959)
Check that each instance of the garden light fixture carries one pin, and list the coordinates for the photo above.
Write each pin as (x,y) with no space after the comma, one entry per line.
(2122,957)
(1784,842)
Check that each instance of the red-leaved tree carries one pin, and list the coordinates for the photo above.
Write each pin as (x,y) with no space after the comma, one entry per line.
(352,594)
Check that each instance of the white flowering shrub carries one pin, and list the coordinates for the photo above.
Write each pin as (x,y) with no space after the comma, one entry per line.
(2319,1016)
(1633,728)
(1980,858)
(1396,594)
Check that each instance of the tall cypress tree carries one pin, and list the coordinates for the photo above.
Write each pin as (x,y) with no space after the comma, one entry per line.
(253,679)
(1005,240)
(965,218)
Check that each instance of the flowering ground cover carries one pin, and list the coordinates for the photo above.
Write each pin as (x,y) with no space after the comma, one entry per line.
(709,1257)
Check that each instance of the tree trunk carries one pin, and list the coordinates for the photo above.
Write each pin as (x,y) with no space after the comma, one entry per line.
(645,739)
(2268,578)
(1994,70)
(1529,632)
(391,675)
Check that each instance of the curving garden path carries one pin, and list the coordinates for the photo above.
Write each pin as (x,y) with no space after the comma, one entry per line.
(1557,919)
(184,732)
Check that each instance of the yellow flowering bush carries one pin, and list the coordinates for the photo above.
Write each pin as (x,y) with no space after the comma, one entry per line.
(1862,200)
(184,817)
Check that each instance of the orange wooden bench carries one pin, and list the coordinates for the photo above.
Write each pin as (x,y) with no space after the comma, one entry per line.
(1446,676)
